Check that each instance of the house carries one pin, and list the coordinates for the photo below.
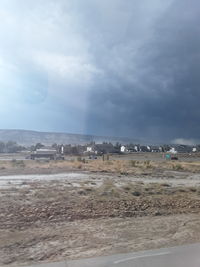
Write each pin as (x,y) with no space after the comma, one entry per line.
(136,148)
(183,149)
(81,149)
(105,148)
(173,150)
(132,148)
(149,148)
(155,149)
(67,149)
(144,149)
(100,149)
(90,149)
(44,153)
(198,148)
(123,149)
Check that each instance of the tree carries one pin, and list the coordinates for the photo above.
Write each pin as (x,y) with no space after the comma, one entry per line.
(55,146)
(74,150)
(117,145)
(11,147)
(32,148)
(38,146)
(2,147)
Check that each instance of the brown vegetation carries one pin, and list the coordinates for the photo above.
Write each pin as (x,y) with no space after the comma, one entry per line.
(123,167)
(118,194)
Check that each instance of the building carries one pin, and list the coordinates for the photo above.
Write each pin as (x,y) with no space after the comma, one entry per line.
(173,150)
(123,149)
(144,149)
(44,153)
(90,149)
(156,149)
(100,149)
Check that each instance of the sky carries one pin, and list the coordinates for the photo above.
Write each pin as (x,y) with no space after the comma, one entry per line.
(114,68)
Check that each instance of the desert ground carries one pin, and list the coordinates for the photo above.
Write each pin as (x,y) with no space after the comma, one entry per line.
(76,208)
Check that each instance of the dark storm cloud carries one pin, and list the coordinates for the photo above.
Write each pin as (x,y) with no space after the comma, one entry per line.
(126,68)
(154,94)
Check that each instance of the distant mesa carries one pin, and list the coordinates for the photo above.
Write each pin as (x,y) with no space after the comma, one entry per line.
(26,138)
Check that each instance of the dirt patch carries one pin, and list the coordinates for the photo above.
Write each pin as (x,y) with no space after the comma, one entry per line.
(95,208)
(102,214)
(90,238)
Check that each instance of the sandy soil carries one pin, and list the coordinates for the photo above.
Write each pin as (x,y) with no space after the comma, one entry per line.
(88,238)
(98,209)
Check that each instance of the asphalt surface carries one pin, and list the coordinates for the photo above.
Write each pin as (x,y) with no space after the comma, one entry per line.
(183,256)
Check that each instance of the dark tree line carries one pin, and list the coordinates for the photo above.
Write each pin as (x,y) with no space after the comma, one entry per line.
(10,147)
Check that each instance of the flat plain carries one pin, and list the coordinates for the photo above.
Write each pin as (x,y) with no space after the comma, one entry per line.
(78,208)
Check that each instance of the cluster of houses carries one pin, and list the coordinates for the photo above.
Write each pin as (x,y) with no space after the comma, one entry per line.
(58,151)
(109,148)
(173,149)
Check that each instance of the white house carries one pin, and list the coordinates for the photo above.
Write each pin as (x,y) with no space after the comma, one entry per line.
(173,150)
(89,149)
(136,148)
(123,149)
(148,147)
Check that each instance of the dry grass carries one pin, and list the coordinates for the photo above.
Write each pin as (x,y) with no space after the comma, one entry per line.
(123,167)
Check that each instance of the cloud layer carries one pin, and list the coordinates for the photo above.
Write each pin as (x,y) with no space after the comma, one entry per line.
(126,68)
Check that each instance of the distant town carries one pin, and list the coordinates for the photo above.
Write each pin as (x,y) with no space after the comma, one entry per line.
(95,149)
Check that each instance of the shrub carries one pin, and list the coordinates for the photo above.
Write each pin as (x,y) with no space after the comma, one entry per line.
(127,188)
(123,172)
(18,163)
(165,184)
(79,166)
(136,193)
(88,189)
(182,190)
(147,164)
(133,163)
(193,189)
(177,167)
(108,162)
(79,159)
(3,168)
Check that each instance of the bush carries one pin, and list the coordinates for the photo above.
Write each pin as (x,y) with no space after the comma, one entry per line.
(182,190)
(127,188)
(17,163)
(133,163)
(79,166)
(3,168)
(165,184)
(177,167)
(136,193)
(79,159)
(123,172)
(147,164)
(193,189)
(88,189)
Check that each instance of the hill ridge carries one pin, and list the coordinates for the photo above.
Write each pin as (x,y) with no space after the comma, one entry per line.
(30,137)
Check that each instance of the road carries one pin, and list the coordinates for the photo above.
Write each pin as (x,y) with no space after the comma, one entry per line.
(183,256)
